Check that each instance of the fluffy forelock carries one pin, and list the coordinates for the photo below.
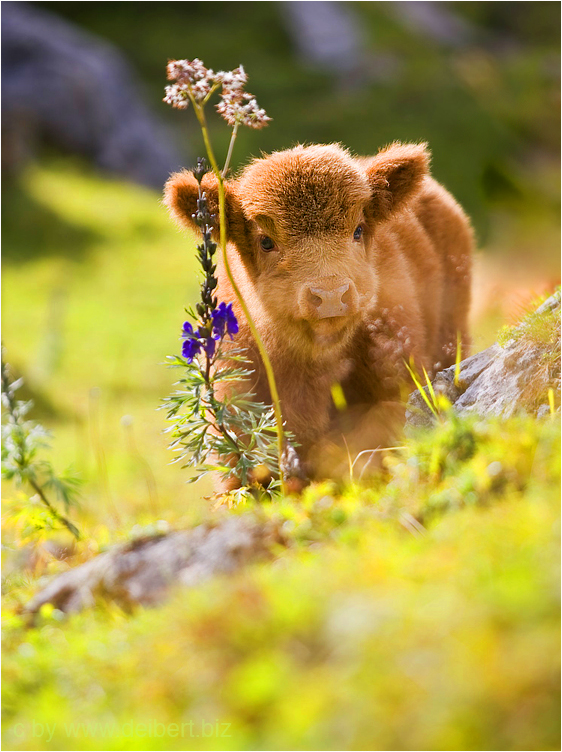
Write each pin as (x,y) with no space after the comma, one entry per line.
(305,190)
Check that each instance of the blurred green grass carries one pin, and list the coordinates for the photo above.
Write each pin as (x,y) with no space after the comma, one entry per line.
(375,637)
(88,323)
(366,633)
(96,278)
(360,624)
(489,109)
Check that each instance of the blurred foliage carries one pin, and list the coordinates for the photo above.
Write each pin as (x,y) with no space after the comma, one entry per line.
(538,327)
(419,612)
(24,443)
(367,618)
(89,326)
(489,107)
(430,595)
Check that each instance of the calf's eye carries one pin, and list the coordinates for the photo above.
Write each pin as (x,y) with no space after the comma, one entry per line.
(358,233)
(267,244)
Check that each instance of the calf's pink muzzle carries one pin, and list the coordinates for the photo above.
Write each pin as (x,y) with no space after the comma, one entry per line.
(328,299)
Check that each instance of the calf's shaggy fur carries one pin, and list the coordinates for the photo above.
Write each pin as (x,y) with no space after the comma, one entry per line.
(351,267)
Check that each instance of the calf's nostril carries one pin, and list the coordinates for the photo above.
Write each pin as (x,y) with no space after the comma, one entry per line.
(316,300)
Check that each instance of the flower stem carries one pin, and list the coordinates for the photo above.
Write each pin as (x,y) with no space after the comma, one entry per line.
(57,515)
(259,342)
(203,123)
(230,149)
(22,460)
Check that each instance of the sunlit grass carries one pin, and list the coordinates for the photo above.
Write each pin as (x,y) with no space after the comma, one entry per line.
(430,594)
(453,623)
(95,280)
(103,320)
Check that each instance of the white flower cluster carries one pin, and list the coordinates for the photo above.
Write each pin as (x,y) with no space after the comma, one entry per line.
(233,81)
(187,71)
(192,78)
(242,108)
(177,97)
(194,81)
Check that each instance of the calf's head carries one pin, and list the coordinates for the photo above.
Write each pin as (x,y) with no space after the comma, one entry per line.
(304,223)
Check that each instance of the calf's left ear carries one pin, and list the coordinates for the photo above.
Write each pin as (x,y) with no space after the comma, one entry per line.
(180,196)
(395,175)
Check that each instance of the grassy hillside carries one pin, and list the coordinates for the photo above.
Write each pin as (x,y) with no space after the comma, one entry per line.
(89,316)
(420,612)
(371,631)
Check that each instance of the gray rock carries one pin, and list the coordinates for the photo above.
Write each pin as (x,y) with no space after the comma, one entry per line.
(63,86)
(144,571)
(327,35)
(499,381)
(431,20)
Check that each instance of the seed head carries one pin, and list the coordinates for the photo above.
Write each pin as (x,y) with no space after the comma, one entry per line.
(195,82)
(177,97)
(192,80)
(187,71)
(232,81)
(241,108)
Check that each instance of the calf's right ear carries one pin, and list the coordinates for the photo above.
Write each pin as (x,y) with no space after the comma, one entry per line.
(180,196)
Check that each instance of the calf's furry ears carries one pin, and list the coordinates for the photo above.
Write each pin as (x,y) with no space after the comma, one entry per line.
(180,196)
(395,175)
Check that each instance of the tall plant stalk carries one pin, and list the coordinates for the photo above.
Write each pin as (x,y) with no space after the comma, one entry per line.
(233,435)
(21,441)
(196,84)
(219,174)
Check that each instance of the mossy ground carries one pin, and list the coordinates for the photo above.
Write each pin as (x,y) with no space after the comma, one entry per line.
(370,631)
(419,612)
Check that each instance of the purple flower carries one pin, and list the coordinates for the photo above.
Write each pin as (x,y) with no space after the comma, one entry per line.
(209,347)
(224,320)
(207,342)
(190,348)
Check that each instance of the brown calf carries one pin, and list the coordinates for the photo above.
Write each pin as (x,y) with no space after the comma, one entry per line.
(351,268)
